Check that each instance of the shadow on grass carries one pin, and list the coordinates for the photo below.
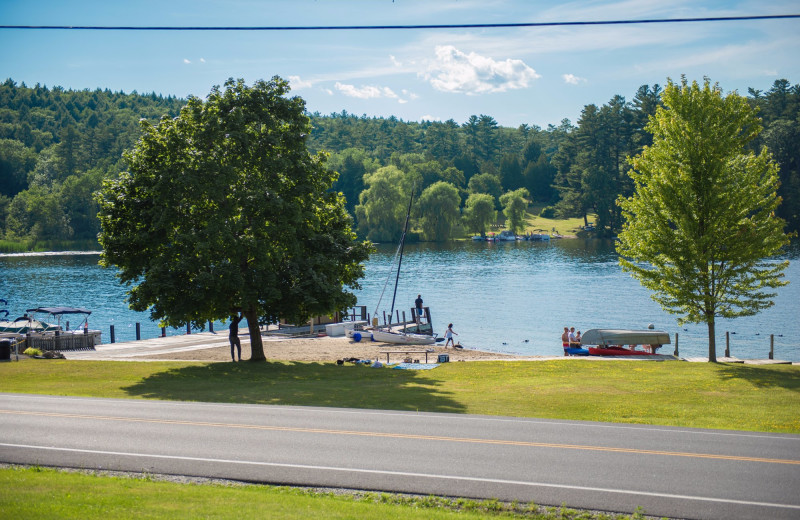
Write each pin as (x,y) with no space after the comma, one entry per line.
(302,384)
(763,376)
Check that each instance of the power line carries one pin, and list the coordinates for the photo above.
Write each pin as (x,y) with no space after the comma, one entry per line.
(400,27)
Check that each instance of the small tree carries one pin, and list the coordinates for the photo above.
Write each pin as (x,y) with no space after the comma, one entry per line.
(515,207)
(701,223)
(225,211)
(479,212)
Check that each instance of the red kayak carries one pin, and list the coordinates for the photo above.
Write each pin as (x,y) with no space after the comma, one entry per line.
(617,351)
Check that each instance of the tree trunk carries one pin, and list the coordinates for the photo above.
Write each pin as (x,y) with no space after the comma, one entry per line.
(712,341)
(256,345)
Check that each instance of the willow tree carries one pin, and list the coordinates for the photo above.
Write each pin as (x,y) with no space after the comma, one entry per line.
(700,227)
(223,210)
(515,207)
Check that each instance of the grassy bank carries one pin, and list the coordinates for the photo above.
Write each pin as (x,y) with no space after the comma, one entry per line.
(701,395)
(45,493)
(38,246)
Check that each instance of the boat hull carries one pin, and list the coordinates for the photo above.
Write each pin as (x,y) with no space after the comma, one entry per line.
(617,351)
(401,338)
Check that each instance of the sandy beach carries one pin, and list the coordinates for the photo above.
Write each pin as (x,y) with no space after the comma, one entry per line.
(326,349)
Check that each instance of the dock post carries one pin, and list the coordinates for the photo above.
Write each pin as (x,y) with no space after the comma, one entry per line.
(163,332)
(113,339)
(772,346)
(384,318)
(727,344)
(67,325)
(138,331)
(211,326)
(398,315)
(188,328)
(404,321)
(676,345)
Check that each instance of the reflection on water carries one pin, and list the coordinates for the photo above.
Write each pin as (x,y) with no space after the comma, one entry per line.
(506,297)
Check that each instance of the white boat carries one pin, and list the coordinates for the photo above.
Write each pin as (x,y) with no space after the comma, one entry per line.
(403,338)
(507,236)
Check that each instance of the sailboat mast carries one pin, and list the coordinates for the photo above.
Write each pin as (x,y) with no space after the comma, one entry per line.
(402,246)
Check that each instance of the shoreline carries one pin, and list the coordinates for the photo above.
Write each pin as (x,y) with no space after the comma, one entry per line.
(321,349)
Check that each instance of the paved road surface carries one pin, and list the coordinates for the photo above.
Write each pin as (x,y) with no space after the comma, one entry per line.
(670,472)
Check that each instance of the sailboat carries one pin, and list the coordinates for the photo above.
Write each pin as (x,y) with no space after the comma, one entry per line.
(387,335)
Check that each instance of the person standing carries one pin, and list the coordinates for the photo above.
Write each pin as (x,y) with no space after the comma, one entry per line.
(233,336)
(418,305)
(448,335)
(572,340)
(565,340)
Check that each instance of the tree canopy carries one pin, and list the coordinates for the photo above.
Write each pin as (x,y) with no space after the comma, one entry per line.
(700,227)
(223,210)
(54,140)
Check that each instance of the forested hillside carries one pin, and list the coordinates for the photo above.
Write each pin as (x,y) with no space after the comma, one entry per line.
(57,145)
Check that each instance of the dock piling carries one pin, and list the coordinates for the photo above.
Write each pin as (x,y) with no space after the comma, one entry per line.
(113,338)
(727,344)
(138,331)
(676,345)
(772,346)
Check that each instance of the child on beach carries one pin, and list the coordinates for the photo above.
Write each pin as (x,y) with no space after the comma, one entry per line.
(448,335)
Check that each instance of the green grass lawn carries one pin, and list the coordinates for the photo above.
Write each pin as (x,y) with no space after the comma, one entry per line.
(702,395)
(37,493)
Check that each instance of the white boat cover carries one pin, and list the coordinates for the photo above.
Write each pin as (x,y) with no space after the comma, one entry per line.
(624,337)
(401,338)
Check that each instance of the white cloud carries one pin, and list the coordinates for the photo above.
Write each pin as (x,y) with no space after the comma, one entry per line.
(296,83)
(428,117)
(186,61)
(202,60)
(455,71)
(366,92)
(572,79)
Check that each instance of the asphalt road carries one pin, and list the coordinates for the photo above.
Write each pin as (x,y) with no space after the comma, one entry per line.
(673,472)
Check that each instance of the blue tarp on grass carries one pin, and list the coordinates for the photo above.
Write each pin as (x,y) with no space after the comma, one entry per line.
(415,366)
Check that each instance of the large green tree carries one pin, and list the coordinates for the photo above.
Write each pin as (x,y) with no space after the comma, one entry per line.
(223,210)
(701,226)
(439,211)
(381,211)
(479,212)
(515,206)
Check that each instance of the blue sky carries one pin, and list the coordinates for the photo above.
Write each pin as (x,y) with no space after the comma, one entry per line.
(536,76)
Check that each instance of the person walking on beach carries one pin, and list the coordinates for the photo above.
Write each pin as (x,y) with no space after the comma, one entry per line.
(448,335)
(233,336)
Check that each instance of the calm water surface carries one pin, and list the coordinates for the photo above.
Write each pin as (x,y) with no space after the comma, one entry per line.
(504,297)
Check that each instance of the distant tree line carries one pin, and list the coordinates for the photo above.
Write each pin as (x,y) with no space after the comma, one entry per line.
(56,147)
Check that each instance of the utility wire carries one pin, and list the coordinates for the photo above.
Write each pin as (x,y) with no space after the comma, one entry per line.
(401,27)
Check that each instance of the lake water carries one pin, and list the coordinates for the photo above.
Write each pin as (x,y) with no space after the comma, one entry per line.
(504,297)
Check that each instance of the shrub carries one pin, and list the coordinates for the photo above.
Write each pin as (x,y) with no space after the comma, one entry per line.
(548,212)
(30,351)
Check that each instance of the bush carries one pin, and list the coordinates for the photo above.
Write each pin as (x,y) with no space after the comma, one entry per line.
(548,212)
(30,351)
